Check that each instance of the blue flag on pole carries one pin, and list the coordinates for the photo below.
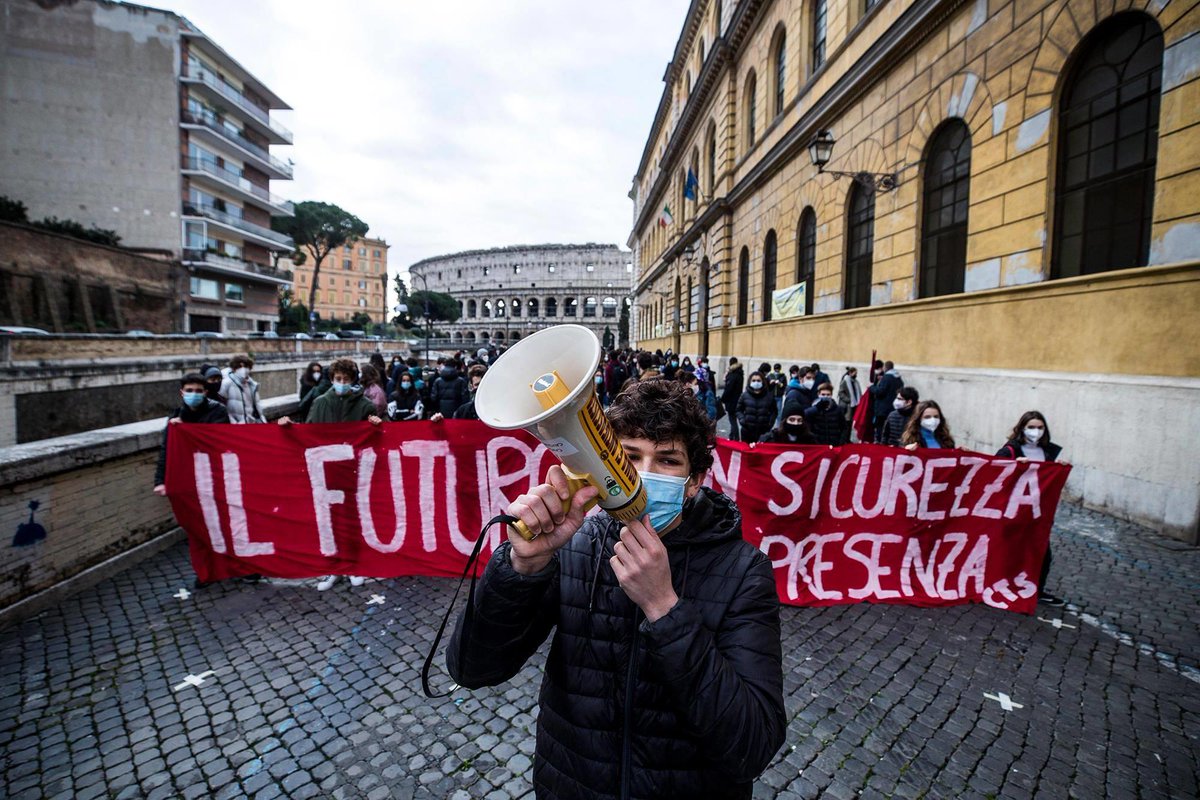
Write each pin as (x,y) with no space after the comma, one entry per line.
(691,186)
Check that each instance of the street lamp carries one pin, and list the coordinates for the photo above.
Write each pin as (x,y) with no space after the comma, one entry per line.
(820,150)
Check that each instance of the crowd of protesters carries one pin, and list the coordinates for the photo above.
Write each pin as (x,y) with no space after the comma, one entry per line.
(770,405)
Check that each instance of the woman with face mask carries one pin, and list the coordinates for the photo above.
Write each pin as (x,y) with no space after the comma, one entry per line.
(756,408)
(1030,441)
(927,427)
(792,428)
(241,391)
(902,410)
(313,383)
(406,404)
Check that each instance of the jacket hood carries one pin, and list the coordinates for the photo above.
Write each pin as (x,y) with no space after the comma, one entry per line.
(708,518)
(449,373)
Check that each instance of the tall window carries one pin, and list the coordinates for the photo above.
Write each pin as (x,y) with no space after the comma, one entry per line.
(944,218)
(743,286)
(861,247)
(551,307)
(819,20)
(570,305)
(608,307)
(1108,146)
(689,320)
(589,306)
(751,108)
(779,50)
(806,256)
(712,158)
(770,263)
(533,307)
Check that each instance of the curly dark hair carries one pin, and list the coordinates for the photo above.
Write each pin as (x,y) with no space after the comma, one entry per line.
(665,411)
(344,366)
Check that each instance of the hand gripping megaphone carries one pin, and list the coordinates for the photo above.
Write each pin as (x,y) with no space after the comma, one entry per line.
(543,384)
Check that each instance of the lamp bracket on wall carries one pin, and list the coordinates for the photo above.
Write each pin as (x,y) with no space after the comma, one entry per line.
(821,149)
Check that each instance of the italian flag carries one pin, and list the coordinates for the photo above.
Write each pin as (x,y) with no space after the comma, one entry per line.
(665,218)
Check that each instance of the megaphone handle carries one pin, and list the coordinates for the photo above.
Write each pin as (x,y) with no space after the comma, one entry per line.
(575,482)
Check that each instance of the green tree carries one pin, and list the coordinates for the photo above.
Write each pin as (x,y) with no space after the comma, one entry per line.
(623,324)
(442,307)
(322,228)
(403,318)
(293,315)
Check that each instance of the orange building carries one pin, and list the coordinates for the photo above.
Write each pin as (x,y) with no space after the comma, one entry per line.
(353,280)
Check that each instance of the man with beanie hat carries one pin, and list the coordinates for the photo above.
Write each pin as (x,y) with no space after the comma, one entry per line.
(212,383)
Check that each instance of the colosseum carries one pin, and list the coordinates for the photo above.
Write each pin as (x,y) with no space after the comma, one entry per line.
(508,292)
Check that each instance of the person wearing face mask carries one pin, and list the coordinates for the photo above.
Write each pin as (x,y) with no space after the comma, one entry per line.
(198,407)
(344,402)
(756,408)
(702,371)
(369,379)
(212,383)
(902,410)
(824,418)
(883,392)
(802,388)
(686,365)
(665,672)
(241,391)
(406,404)
(598,383)
(313,383)
(670,366)
(927,427)
(848,395)
(702,392)
(1030,441)
(475,377)
(791,429)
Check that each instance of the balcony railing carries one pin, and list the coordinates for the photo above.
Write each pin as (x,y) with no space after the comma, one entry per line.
(194,71)
(195,256)
(213,213)
(209,120)
(235,178)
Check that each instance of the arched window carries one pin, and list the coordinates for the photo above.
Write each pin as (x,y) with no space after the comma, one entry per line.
(484,336)
(702,52)
(516,307)
(860,247)
(470,336)
(1108,147)
(533,307)
(751,105)
(570,306)
(470,308)
(819,24)
(711,148)
(694,164)
(487,308)
(743,300)
(501,308)
(609,307)
(689,321)
(499,336)
(779,71)
(944,212)
(770,262)
(806,256)
(589,306)
(678,305)
(551,307)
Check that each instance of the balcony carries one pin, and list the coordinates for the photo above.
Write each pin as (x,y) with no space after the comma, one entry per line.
(232,181)
(260,235)
(219,262)
(195,74)
(207,124)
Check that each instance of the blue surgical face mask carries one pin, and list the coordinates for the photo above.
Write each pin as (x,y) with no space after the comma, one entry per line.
(664,498)
(341,388)
(193,399)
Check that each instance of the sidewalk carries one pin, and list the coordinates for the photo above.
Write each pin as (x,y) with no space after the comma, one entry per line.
(277,690)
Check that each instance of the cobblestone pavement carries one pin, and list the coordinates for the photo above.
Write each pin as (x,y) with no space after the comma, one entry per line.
(307,694)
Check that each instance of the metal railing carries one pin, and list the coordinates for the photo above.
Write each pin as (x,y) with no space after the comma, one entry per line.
(237,222)
(235,178)
(193,70)
(195,255)
(209,120)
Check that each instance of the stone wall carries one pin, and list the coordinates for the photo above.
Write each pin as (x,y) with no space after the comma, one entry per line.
(62,284)
(70,504)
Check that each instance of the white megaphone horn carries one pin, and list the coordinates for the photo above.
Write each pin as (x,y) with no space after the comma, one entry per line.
(543,384)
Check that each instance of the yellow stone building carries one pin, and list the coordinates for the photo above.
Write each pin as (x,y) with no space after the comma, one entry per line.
(1016,222)
(353,280)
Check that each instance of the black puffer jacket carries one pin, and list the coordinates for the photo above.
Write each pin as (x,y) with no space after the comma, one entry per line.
(690,706)
(893,427)
(756,413)
(826,422)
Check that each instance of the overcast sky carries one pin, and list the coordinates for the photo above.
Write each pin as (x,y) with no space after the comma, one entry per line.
(465,124)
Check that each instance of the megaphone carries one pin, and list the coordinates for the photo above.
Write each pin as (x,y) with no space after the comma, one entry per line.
(543,384)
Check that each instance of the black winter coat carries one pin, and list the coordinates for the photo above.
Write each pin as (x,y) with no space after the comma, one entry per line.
(826,423)
(756,414)
(883,392)
(209,412)
(690,706)
(894,427)
(448,394)
(735,381)
(1015,449)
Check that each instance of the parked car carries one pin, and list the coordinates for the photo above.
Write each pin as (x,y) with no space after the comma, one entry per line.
(137,333)
(352,334)
(301,336)
(330,336)
(209,335)
(17,330)
(264,335)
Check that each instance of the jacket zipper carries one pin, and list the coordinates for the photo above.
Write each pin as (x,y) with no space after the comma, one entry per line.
(630,679)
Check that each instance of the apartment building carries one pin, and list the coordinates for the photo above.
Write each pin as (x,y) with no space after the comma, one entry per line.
(353,280)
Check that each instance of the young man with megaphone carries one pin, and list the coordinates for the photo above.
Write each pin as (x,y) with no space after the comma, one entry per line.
(665,675)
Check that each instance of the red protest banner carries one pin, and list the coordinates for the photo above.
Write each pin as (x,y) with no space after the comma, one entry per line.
(841,525)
